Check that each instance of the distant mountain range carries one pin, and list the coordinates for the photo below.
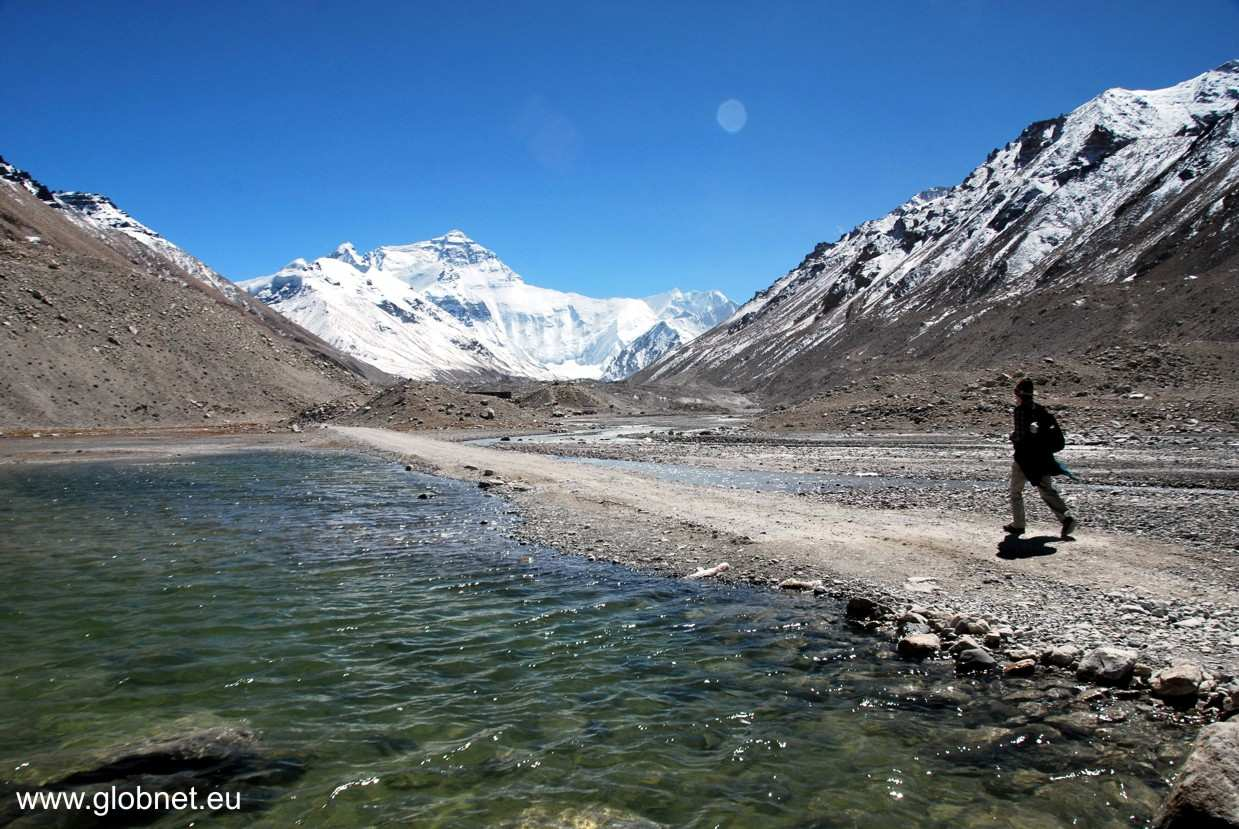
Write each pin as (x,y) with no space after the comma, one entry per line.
(449,308)
(1118,220)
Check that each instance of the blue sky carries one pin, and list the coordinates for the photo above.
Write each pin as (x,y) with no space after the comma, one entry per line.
(578,140)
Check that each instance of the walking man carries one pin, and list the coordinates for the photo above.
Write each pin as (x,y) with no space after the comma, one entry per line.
(1036,438)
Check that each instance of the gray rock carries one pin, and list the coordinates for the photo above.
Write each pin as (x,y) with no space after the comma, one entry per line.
(965,643)
(1177,681)
(800,584)
(1075,724)
(860,607)
(919,645)
(1157,607)
(975,627)
(1107,666)
(974,661)
(1018,654)
(1206,795)
(1061,656)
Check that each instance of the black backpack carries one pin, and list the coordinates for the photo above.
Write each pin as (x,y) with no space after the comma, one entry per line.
(1052,433)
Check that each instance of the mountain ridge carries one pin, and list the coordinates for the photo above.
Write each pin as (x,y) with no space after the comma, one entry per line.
(107,324)
(449,308)
(1129,182)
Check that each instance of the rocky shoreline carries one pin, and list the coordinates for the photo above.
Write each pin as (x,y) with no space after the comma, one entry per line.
(975,641)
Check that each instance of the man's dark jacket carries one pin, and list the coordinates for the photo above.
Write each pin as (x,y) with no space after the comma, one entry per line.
(1035,447)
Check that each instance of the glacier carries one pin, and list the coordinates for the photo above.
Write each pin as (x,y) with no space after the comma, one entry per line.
(448,309)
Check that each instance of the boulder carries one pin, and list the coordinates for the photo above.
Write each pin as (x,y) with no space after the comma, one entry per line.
(974,661)
(919,645)
(1061,656)
(1107,666)
(965,643)
(975,627)
(1177,681)
(860,607)
(1206,795)
(1024,667)
(1019,654)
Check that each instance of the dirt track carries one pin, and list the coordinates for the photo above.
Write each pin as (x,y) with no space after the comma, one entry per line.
(1050,591)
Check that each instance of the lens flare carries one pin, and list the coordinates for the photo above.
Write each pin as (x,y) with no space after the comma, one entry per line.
(732,116)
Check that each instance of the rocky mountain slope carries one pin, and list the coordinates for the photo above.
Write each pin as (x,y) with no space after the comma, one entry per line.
(449,308)
(1114,223)
(106,323)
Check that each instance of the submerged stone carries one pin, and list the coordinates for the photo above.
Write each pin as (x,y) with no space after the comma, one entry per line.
(1206,795)
(974,661)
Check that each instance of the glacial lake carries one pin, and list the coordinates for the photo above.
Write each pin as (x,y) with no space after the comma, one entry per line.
(404,661)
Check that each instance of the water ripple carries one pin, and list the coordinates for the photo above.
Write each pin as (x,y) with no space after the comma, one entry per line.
(423,667)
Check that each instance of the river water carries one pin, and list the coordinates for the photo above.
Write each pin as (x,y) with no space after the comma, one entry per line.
(406,662)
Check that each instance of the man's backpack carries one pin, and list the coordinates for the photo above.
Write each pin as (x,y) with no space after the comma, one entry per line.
(1054,438)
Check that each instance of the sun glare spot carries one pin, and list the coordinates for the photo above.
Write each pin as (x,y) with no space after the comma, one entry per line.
(732,115)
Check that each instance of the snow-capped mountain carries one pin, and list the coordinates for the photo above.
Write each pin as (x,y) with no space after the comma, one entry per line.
(100,216)
(1128,183)
(449,307)
(682,318)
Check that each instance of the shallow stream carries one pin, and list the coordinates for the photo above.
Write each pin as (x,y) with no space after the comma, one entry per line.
(405,662)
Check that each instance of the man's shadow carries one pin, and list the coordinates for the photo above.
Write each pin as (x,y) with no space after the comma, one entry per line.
(1013,546)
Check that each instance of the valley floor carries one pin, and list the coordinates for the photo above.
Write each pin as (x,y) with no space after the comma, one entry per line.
(913,519)
(910,519)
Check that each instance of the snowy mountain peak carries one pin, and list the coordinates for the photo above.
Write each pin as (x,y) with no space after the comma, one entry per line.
(450,307)
(457,248)
(345,252)
(1091,197)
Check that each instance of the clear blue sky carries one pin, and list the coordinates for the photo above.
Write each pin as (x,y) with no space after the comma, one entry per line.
(579,140)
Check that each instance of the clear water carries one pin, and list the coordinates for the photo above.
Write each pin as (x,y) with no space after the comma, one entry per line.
(418,667)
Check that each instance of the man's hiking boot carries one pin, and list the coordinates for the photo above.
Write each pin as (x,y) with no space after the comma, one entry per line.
(1011,529)
(1069,526)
